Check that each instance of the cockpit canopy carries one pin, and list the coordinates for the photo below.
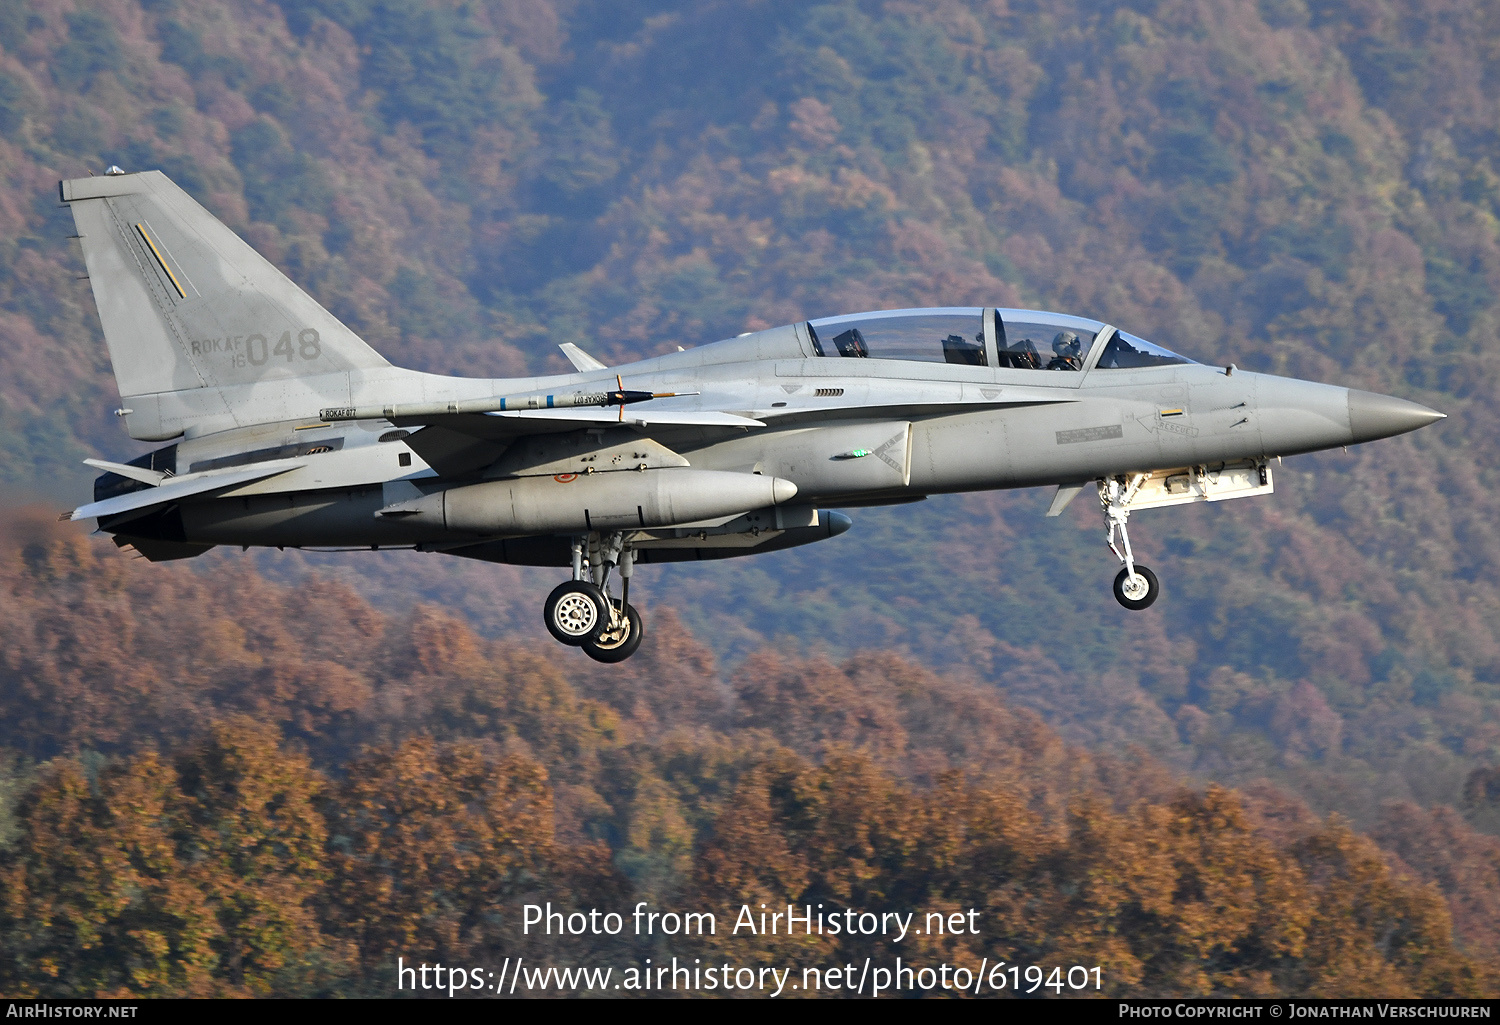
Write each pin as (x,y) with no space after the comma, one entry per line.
(1032,340)
(948,335)
(1125,351)
(974,336)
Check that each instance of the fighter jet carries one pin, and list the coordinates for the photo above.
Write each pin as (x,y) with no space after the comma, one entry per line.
(283,428)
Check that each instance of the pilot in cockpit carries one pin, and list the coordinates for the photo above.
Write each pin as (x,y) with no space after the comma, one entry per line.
(1067,352)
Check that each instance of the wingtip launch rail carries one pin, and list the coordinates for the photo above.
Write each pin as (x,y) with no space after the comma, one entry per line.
(503,404)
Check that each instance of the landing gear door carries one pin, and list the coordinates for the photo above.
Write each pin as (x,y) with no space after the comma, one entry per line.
(1244,478)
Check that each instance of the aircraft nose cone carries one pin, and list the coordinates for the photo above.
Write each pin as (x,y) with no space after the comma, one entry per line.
(782,490)
(1373,416)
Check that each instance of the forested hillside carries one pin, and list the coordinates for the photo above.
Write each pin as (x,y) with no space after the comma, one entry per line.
(238,802)
(1308,187)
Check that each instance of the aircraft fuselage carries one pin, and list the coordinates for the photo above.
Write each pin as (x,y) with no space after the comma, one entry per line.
(920,428)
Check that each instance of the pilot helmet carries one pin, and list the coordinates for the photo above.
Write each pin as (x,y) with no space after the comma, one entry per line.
(1066,343)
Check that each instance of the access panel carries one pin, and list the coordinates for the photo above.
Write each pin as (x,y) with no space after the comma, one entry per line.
(845,459)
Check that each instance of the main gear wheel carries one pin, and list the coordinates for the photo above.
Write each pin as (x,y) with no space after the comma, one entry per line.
(617,643)
(576,612)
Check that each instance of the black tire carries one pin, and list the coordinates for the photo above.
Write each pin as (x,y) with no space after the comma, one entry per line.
(1153,589)
(612,646)
(575,612)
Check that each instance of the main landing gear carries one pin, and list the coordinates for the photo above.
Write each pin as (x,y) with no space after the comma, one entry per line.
(582,613)
(1136,587)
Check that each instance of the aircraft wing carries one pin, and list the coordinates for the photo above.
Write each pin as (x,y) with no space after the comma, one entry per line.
(176,488)
(516,422)
(904,410)
(455,443)
(573,419)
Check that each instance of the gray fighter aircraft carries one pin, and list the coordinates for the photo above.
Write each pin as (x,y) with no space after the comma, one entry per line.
(286,429)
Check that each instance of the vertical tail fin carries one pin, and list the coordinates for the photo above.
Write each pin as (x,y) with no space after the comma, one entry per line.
(202,330)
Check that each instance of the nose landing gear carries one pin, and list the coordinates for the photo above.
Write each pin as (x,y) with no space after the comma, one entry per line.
(1136,587)
(1138,591)
(582,613)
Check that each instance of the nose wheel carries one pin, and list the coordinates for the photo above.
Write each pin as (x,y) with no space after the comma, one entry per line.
(1136,587)
(1137,591)
(582,613)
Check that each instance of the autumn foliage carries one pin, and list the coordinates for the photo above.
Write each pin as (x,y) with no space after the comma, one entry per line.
(266,775)
(1306,187)
(286,802)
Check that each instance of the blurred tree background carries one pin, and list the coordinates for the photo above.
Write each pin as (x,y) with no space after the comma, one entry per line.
(1308,187)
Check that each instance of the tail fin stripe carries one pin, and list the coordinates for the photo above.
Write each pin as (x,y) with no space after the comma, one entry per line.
(152,281)
(159,259)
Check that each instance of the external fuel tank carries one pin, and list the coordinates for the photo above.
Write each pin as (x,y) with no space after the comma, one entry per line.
(616,500)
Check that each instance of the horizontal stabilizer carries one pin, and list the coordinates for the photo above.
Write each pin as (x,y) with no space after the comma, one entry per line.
(140,473)
(183,487)
(580,359)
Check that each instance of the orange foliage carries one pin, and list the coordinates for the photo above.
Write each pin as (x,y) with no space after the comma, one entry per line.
(344,786)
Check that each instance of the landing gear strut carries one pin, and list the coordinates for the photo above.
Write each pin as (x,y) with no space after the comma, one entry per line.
(1136,587)
(581,612)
